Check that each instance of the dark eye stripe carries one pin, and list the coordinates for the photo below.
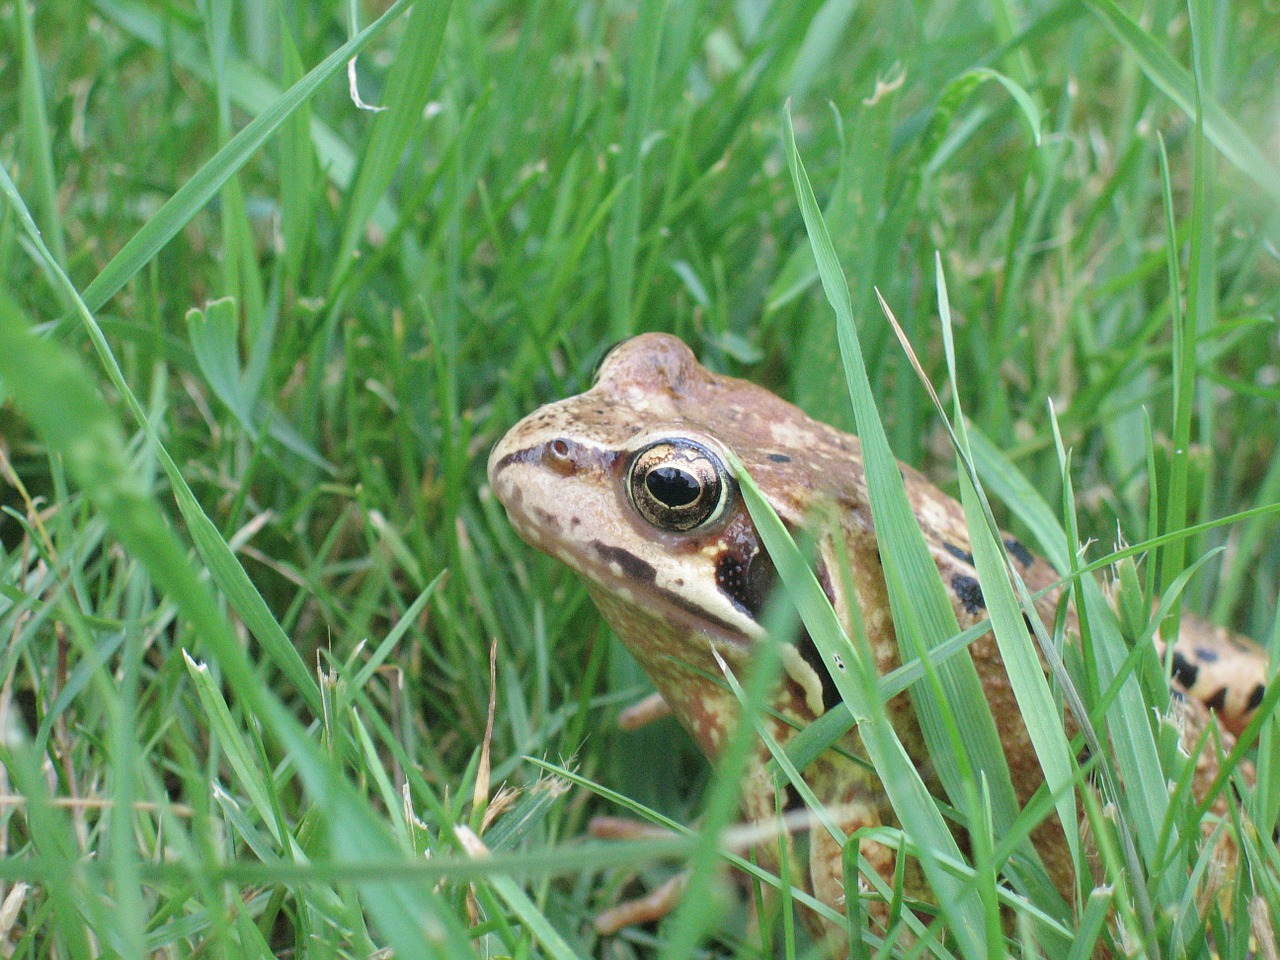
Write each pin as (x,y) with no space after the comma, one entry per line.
(636,569)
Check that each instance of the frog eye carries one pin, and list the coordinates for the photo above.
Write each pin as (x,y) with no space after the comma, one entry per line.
(679,485)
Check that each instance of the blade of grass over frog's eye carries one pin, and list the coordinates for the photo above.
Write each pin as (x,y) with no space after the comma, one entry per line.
(191,197)
(852,670)
(952,706)
(909,570)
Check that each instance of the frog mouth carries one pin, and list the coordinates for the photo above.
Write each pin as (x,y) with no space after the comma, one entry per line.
(636,581)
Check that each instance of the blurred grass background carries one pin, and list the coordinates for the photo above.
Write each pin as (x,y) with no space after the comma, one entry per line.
(263,332)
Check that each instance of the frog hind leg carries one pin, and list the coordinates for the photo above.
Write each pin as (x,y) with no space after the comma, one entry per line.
(859,808)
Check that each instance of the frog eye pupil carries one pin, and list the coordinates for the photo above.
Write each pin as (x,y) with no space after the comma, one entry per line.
(672,486)
(679,485)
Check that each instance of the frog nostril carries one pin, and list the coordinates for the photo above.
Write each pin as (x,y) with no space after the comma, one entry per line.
(559,456)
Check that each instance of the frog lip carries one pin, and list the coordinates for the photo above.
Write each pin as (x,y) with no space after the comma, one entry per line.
(627,577)
(680,613)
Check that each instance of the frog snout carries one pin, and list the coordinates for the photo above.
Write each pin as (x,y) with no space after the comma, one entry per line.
(559,455)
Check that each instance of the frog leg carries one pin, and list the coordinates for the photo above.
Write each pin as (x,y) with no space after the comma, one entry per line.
(660,901)
(859,807)
(654,905)
(646,711)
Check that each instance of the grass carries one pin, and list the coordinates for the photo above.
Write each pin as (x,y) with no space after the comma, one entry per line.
(255,344)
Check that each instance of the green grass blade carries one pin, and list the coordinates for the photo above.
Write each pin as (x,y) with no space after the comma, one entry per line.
(1030,686)
(853,671)
(1184,374)
(645,47)
(297,156)
(54,846)
(1136,762)
(215,338)
(224,729)
(520,904)
(967,82)
(923,615)
(191,197)
(406,96)
(35,134)
(1179,86)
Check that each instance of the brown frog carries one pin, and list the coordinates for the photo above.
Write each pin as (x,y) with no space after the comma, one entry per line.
(629,485)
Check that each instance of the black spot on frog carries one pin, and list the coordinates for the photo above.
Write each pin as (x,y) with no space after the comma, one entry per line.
(969,592)
(1218,700)
(1019,552)
(1185,672)
(1256,696)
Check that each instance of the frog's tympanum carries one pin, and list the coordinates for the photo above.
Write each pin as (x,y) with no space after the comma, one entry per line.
(628,484)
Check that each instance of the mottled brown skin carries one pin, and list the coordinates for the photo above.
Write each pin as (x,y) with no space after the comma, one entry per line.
(563,472)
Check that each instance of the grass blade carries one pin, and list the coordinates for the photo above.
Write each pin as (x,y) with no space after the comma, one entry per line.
(853,670)
(645,46)
(1179,86)
(191,197)
(406,96)
(35,135)
(922,613)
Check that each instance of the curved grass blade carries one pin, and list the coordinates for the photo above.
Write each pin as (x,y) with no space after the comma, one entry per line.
(854,676)
(953,710)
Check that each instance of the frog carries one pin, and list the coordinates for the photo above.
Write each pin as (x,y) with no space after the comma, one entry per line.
(630,485)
